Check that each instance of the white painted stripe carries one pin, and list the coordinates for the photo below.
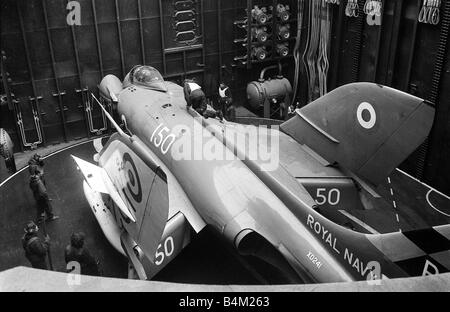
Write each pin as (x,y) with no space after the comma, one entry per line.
(396,216)
(44,157)
(432,206)
(72,146)
(392,192)
(395,204)
(426,185)
(10,177)
(389,180)
(355,219)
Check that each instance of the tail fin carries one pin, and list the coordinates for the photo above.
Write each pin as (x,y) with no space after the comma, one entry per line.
(418,252)
(366,128)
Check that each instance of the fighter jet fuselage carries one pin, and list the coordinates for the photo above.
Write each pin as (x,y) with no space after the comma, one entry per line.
(271,193)
(225,191)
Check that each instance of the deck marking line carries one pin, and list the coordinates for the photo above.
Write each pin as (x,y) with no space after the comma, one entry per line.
(394,204)
(426,185)
(430,190)
(432,206)
(44,157)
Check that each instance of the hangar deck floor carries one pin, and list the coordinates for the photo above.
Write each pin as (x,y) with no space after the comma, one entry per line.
(410,205)
(406,204)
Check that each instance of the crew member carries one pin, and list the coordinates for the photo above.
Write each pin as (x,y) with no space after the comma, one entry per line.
(35,249)
(36,162)
(41,196)
(194,96)
(291,111)
(226,102)
(225,98)
(76,251)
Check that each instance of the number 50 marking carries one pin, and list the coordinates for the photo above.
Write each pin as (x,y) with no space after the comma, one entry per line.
(333,196)
(167,251)
(160,140)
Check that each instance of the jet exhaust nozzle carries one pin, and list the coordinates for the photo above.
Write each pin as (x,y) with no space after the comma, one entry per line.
(251,243)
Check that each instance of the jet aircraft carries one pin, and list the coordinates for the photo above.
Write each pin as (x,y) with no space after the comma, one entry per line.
(271,193)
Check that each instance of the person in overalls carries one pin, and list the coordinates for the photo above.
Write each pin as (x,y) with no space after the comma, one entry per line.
(77,251)
(36,162)
(41,196)
(194,96)
(35,249)
(226,102)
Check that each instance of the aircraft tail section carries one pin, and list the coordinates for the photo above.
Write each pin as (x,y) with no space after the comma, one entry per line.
(366,128)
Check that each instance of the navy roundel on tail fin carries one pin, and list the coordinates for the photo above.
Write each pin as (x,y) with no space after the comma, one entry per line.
(366,128)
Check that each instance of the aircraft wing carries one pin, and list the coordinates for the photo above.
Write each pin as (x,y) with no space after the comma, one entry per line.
(259,148)
(157,217)
(99,181)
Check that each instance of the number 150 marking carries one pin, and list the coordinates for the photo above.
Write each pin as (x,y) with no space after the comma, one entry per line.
(161,140)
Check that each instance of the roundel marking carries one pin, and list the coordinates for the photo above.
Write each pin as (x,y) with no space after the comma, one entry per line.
(134,182)
(367,117)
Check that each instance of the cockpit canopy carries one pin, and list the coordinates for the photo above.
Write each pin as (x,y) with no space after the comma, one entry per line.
(147,77)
